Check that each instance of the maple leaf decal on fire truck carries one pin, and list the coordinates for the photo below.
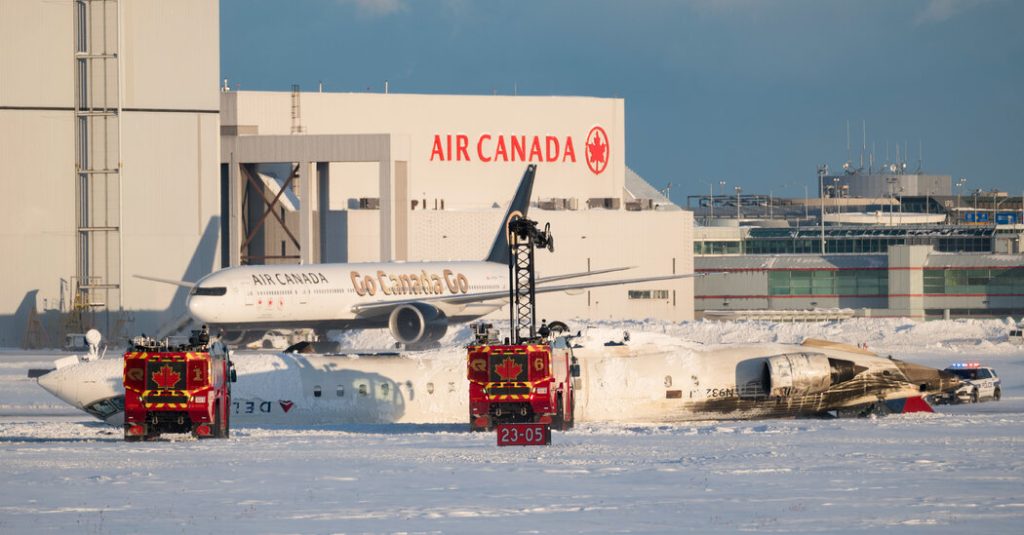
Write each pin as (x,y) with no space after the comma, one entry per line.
(508,370)
(597,150)
(166,377)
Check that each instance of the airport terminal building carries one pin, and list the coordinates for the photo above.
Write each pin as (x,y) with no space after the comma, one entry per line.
(123,155)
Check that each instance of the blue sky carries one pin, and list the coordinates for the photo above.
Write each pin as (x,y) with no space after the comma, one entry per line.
(756,93)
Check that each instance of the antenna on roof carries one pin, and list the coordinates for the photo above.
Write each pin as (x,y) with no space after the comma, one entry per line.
(847,142)
(864,142)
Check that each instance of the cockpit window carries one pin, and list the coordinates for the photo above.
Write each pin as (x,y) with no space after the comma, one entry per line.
(103,408)
(209,290)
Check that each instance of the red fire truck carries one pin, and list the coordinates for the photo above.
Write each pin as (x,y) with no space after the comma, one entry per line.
(523,383)
(177,388)
(529,378)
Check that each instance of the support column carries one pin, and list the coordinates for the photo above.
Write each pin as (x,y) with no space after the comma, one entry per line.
(906,279)
(323,206)
(387,210)
(308,239)
(401,207)
(234,237)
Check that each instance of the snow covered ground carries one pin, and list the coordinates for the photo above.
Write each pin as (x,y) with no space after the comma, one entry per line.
(959,470)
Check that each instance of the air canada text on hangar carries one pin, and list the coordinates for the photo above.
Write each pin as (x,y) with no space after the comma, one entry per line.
(488,148)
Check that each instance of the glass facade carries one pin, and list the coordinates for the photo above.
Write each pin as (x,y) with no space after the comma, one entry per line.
(850,240)
(939,281)
(852,282)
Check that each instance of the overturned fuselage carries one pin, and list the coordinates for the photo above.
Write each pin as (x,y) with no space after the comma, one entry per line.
(660,380)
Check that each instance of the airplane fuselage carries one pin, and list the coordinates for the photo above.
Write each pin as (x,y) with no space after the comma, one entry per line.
(646,383)
(323,296)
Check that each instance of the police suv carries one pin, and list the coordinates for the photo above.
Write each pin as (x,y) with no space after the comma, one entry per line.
(977,382)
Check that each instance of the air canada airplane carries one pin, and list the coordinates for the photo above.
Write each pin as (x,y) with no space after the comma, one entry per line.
(415,300)
(654,378)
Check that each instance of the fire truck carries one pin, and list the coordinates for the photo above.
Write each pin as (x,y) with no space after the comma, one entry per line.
(521,383)
(529,377)
(183,388)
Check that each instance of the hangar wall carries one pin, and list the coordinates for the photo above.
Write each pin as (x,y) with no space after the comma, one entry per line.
(451,203)
(166,85)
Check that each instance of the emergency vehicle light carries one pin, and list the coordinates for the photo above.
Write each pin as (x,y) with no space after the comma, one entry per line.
(965,365)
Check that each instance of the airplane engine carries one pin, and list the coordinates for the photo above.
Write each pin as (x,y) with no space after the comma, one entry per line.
(417,323)
(797,374)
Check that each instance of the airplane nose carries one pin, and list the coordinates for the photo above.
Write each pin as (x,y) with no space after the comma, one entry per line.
(198,308)
(60,385)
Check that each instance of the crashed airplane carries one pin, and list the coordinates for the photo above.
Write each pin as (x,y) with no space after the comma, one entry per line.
(658,379)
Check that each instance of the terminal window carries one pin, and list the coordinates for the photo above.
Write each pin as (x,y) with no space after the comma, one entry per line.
(648,294)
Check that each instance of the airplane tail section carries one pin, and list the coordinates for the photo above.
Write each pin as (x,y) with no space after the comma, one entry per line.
(519,206)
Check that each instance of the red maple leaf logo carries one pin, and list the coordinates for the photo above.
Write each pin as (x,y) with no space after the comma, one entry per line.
(597,150)
(166,377)
(508,369)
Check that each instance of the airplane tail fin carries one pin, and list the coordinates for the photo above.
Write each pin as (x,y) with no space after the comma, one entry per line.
(519,206)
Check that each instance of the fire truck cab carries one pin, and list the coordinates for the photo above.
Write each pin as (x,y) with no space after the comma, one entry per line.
(182,388)
(525,383)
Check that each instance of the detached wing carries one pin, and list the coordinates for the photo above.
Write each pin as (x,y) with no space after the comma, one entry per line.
(383,307)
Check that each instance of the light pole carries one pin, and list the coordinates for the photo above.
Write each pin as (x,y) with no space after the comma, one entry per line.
(901,205)
(835,196)
(892,193)
(822,171)
(721,188)
(738,191)
(711,201)
(959,188)
(995,205)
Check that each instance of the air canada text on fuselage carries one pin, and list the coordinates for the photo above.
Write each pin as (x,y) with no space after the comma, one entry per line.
(284,279)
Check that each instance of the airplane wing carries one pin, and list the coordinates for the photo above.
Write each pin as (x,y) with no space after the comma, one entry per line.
(184,284)
(553,278)
(382,307)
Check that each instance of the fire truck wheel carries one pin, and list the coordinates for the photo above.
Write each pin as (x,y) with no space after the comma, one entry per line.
(131,438)
(558,422)
(227,422)
(572,413)
(218,421)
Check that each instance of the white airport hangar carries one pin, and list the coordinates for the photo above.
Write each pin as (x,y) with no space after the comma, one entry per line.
(121,156)
(399,177)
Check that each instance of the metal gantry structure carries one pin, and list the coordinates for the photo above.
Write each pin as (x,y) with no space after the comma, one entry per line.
(523,239)
(98,170)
